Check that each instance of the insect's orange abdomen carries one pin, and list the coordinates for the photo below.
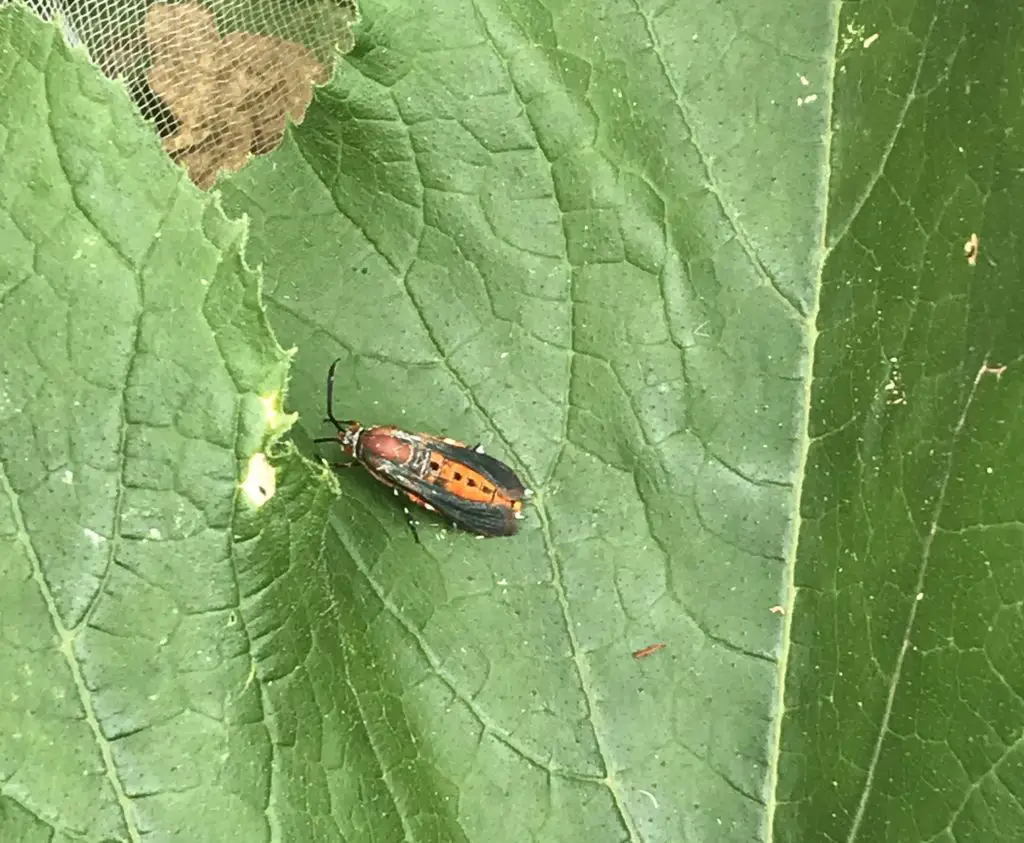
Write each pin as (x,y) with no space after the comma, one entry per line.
(467,483)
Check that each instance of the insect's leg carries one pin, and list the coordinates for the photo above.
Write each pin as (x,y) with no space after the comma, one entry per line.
(321,440)
(339,464)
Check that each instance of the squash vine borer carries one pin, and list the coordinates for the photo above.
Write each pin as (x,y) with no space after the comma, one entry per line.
(474,491)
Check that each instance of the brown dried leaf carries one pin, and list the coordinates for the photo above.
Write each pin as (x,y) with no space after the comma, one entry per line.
(230,96)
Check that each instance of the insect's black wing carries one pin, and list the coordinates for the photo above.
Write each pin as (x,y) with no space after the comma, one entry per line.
(484,519)
(500,474)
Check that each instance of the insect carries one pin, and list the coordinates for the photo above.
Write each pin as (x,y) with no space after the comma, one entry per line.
(474,491)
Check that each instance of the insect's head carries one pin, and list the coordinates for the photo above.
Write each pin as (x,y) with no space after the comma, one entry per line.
(348,437)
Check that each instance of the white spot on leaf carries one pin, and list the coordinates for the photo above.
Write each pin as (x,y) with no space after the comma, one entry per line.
(260,482)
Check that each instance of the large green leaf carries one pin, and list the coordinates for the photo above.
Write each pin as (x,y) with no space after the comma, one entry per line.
(904,694)
(136,372)
(595,238)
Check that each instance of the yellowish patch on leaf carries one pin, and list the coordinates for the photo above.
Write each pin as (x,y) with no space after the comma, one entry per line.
(276,417)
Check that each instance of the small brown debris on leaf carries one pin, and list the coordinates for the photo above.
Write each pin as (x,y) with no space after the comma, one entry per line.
(231,96)
(644,652)
(989,370)
(971,250)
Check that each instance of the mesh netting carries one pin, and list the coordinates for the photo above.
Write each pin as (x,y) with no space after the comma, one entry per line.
(218,78)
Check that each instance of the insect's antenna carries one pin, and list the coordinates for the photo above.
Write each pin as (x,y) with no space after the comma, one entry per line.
(340,424)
